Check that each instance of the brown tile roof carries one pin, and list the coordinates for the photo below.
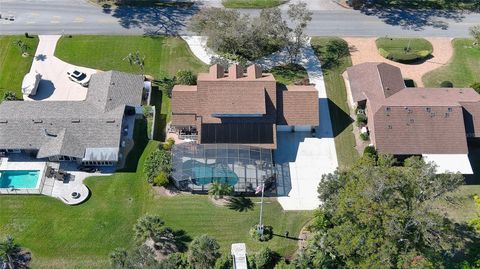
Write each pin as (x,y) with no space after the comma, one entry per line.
(414,120)
(184,120)
(235,100)
(298,105)
(184,99)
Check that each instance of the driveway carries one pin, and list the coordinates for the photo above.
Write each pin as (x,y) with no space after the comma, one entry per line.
(301,160)
(55,85)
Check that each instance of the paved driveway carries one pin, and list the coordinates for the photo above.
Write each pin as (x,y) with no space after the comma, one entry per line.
(55,85)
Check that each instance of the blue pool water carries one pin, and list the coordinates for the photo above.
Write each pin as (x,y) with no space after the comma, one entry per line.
(19,179)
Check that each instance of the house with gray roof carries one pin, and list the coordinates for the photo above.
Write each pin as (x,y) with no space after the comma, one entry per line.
(88,131)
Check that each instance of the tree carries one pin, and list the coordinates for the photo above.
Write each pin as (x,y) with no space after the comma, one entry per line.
(22,45)
(11,256)
(475,33)
(218,190)
(136,59)
(118,258)
(203,252)
(186,77)
(299,16)
(9,96)
(153,228)
(175,261)
(224,262)
(476,86)
(380,217)
(266,259)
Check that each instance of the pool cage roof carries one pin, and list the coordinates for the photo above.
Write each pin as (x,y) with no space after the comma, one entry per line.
(195,166)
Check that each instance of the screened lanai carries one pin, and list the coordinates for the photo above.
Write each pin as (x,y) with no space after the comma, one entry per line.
(195,166)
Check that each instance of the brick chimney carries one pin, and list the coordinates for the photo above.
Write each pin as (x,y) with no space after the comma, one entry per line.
(235,71)
(217,71)
(254,71)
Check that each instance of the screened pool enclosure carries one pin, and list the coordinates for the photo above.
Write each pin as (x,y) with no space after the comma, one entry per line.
(195,166)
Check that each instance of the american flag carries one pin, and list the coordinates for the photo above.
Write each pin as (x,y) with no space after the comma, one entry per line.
(259,189)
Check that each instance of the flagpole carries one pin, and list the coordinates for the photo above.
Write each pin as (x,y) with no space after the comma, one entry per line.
(261,210)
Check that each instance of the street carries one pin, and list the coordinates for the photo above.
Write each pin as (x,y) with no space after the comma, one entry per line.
(81,17)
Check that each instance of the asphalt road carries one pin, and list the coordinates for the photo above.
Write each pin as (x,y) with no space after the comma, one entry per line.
(79,17)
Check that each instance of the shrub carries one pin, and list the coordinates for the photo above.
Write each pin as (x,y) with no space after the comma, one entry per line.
(476,86)
(168,144)
(203,252)
(186,77)
(224,262)
(361,119)
(9,96)
(364,136)
(161,179)
(266,259)
(446,84)
(267,233)
(370,151)
(159,160)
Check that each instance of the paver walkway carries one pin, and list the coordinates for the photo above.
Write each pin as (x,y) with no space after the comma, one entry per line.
(365,50)
(55,85)
(301,159)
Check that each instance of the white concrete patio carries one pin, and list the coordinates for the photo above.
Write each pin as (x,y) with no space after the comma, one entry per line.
(55,85)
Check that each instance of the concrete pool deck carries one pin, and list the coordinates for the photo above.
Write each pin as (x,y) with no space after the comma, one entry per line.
(49,186)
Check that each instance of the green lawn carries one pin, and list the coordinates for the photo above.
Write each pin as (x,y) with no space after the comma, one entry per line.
(404,49)
(289,73)
(82,236)
(12,65)
(164,55)
(459,205)
(339,111)
(252,3)
(462,71)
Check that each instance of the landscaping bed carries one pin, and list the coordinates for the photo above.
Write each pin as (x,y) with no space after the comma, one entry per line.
(404,50)
(333,68)
(252,3)
(290,74)
(463,69)
(12,65)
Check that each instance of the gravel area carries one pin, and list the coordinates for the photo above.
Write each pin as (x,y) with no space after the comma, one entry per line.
(365,50)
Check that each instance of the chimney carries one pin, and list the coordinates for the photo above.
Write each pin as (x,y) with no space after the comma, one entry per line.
(235,71)
(254,71)
(217,71)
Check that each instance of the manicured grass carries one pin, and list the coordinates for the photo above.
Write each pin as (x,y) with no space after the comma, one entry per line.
(463,70)
(163,55)
(82,236)
(12,65)
(459,205)
(252,3)
(339,111)
(404,49)
(289,73)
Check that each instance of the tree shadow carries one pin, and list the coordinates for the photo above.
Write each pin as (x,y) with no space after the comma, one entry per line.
(155,20)
(469,248)
(240,204)
(182,240)
(411,18)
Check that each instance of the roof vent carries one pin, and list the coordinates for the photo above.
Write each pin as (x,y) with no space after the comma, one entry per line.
(50,134)
(3,121)
(37,121)
(75,120)
(428,109)
(111,121)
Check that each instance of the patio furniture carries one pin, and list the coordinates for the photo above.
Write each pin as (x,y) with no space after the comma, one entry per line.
(59,177)
(49,172)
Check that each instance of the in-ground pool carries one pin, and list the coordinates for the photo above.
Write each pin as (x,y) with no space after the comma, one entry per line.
(19,179)
(206,174)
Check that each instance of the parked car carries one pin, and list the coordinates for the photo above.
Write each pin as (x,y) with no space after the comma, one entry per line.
(78,77)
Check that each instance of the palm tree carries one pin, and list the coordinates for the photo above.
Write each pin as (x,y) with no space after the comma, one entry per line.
(203,252)
(218,190)
(152,228)
(11,254)
(136,59)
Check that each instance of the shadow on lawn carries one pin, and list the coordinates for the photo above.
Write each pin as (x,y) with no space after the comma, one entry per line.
(340,119)
(154,20)
(240,204)
(140,142)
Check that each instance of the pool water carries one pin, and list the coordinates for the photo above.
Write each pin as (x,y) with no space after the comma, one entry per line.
(206,174)
(19,179)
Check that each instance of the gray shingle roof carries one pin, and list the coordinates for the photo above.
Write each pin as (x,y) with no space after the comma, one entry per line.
(70,127)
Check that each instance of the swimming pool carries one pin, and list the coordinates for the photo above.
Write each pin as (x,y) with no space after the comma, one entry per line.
(19,179)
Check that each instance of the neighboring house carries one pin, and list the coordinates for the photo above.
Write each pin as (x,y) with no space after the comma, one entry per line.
(432,122)
(88,132)
(236,115)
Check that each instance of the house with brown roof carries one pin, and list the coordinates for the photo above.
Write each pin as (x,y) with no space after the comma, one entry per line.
(241,107)
(232,119)
(432,122)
